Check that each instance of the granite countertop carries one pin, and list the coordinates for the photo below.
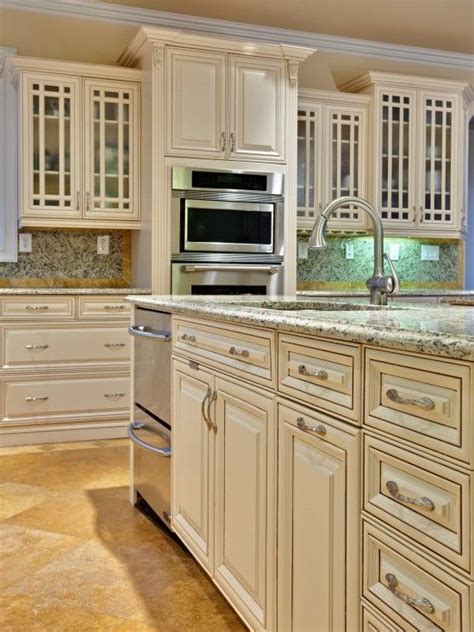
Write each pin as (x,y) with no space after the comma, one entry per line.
(365,293)
(42,291)
(468,300)
(442,330)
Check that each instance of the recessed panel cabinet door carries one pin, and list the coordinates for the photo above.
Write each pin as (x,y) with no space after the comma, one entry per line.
(257,108)
(196,103)
(193,441)
(51,169)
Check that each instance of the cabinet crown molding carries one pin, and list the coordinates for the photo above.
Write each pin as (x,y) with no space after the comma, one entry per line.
(309,95)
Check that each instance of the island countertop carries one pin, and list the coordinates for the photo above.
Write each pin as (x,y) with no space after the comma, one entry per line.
(52,291)
(441,330)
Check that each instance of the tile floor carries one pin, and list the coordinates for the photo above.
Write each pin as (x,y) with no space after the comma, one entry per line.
(76,556)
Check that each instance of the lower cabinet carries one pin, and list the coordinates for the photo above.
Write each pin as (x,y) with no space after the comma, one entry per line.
(224,490)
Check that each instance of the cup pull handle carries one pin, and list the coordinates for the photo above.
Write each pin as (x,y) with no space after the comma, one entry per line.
(302,425)
(36,347)
(114,395)
(114,345)
(236,352)
(425,403)
(422,603)
(36,398)
(321,374)
(424,502)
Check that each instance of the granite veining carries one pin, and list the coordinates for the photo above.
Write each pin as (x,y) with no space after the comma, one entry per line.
(442,330)
(43,291)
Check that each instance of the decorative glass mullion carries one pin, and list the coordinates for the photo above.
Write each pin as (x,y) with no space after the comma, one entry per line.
(443,156)
(307,161)
(400,157)
(102,152)
(61,165)
(351,155)
(120,149)
(432,159)
(41,121)
(389,154)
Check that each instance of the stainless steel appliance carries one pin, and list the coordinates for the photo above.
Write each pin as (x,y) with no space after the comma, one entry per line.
(150,430)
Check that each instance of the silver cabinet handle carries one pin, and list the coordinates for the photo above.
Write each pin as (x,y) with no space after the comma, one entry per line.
(78,201)
(188,338)
(236,352)
(36,347)
(422,210)
(88,201)
(425,403)
(114,345)
(302,425)
(223,141)
(321,374)
(37,308)
(203,407)
(141,331)
(424,502)
(164,452)
(37,398)
(114,395)
(421,604)
(114,308)
(232,141)
(210,401)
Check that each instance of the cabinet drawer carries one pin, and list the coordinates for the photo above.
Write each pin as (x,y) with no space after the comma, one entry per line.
(426,501)
(421,400)
(372,622)
(322,373)
(48,397)
(37,307)
(410,590)
(43,345)
(238,348)
(103,307)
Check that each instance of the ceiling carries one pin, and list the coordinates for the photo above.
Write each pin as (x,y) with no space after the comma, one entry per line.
(440,24)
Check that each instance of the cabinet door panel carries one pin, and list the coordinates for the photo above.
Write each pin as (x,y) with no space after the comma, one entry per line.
(51,152)
(257,108)
(245,500)
(192,515)
(196,103)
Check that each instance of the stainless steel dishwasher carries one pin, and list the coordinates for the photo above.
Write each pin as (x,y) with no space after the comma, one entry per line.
(150,430)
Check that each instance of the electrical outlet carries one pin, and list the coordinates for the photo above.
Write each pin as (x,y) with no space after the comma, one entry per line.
(25,242)
(394,252)
(349,251)
(103,244)
(302,250)
(430,253)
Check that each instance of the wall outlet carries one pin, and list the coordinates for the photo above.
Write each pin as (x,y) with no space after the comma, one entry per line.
(25,242)
(349,251)
(302,250)
(430,253)
(103,245)
(394,252)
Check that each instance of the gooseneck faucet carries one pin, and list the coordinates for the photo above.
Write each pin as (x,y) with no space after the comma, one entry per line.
(379,284)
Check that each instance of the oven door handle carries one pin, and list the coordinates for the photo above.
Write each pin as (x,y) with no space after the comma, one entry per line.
(230,268)
(164,452)
(141,331)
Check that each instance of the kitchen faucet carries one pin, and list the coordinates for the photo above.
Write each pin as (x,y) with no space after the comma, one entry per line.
(379,285)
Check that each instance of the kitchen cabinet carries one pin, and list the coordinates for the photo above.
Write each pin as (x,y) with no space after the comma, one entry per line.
(78,143)
(418,152)
(332,155)
(224,503)
(225,106)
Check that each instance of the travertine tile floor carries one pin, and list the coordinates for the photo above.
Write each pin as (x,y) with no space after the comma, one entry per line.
(76,556)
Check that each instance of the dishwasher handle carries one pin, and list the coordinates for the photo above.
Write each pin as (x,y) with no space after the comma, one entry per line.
(148,332)
(164,452)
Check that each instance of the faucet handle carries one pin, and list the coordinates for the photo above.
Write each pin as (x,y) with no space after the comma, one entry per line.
(394,274)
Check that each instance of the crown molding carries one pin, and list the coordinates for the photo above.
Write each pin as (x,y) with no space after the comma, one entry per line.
(237,30)
(374,77)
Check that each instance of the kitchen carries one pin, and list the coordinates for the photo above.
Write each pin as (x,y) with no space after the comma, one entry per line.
(236,314)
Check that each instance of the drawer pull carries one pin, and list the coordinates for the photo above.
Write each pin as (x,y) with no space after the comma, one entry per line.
(37,398)
(243,353)
(203,407)
(302,425)
(114,345)
(36,347)
(188,338)
(424,502)
(114,395)
(426,403)
(321,374)
(421,604)
(37,308)
(113,308)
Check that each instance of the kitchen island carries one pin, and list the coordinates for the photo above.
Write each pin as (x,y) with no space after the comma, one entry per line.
(326,443)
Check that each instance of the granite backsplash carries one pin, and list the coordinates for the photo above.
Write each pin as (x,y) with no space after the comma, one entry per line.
(329,269)
(68,258)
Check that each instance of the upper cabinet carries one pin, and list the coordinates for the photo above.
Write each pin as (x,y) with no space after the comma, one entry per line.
(78,143)
(225,106)
(418,152)
(332,142)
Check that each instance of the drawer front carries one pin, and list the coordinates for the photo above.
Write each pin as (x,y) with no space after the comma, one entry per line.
(423,401)
(48,346)
(410,590)
(47,397)
(426,501)
(321,373)
(238,348)
(37,307)
(108,307)
(372,622)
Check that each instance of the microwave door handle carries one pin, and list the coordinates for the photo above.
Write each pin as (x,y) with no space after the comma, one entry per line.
(230,268)
(164,452)
(139,331)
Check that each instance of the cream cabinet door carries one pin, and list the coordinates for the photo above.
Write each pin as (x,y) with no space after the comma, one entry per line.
(245,501)
(196,103)
(51,152)
(257,108)
(318,523)
(309,166)
(111,150)
(193,462)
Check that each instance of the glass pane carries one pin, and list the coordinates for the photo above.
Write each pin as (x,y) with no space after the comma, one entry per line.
(126,151)
(67,146)
(111,111)
(96,186)
(111,149)
(125,112)
(125,188)
(36,149)
(51,184)
(96,148)
(51,106)
(111,186)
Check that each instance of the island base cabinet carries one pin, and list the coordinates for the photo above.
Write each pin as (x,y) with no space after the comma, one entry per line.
(318,530)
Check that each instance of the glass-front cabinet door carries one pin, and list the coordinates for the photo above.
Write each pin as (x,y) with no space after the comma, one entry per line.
(111,150)
(51,148)
(309,178)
